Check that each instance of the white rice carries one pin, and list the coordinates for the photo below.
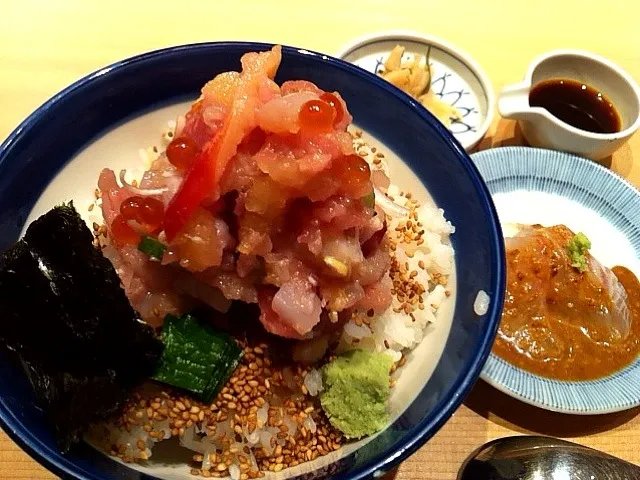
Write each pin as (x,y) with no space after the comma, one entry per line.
(481,304)
(394,332)
(313,382)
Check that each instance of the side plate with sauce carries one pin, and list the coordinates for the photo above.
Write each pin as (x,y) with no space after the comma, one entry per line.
(530,186)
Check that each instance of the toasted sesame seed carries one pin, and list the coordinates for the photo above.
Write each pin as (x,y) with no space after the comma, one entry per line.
(240,411)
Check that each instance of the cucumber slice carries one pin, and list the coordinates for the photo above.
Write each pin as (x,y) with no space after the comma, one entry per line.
(196,357)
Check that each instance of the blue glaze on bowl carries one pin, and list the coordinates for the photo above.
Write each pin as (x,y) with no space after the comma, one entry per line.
(46,140)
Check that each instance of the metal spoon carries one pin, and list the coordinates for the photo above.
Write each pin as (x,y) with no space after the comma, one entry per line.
(543,458)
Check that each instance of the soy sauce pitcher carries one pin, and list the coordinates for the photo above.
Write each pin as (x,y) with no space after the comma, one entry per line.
(591,106)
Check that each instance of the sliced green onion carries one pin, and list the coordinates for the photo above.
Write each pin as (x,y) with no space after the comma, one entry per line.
(369,200)
(152,247)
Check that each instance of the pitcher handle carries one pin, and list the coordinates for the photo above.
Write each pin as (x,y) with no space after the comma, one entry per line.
(513,101)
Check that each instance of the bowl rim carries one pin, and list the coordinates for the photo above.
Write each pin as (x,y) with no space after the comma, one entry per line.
(444,45)
(427,426)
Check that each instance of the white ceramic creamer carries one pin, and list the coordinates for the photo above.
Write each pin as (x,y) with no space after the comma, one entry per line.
(542,129)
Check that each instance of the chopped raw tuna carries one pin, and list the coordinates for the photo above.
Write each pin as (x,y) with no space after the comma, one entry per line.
(260,197)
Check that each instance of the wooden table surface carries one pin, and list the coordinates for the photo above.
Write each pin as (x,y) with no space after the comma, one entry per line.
(45,45)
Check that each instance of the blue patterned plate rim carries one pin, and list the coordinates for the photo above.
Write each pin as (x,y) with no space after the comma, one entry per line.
(617,392)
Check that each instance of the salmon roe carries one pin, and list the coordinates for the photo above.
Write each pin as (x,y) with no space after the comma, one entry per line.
(122,233)
(354,175)
(316,116)
(335,102)
(182,152)
(148,212)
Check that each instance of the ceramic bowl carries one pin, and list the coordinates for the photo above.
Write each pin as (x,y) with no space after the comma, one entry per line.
(457,80)
(541,129)
(104,119)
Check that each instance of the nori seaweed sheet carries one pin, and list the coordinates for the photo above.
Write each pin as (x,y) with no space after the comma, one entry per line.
(66,316)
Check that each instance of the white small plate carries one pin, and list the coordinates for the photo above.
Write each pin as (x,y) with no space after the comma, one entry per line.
(458,80)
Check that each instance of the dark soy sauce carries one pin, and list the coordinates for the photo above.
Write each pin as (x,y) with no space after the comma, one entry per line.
(577,104)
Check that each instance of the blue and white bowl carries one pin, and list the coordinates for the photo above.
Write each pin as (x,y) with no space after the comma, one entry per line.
(458,80)
(104,119)
(531,185)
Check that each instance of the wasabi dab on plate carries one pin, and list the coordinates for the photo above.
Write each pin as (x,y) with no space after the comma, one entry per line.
(578,247)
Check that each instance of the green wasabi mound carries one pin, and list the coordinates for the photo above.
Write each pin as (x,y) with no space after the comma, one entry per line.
(356,390)
(577,248)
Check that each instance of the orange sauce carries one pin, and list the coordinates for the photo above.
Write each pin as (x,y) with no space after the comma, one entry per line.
(549,336)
